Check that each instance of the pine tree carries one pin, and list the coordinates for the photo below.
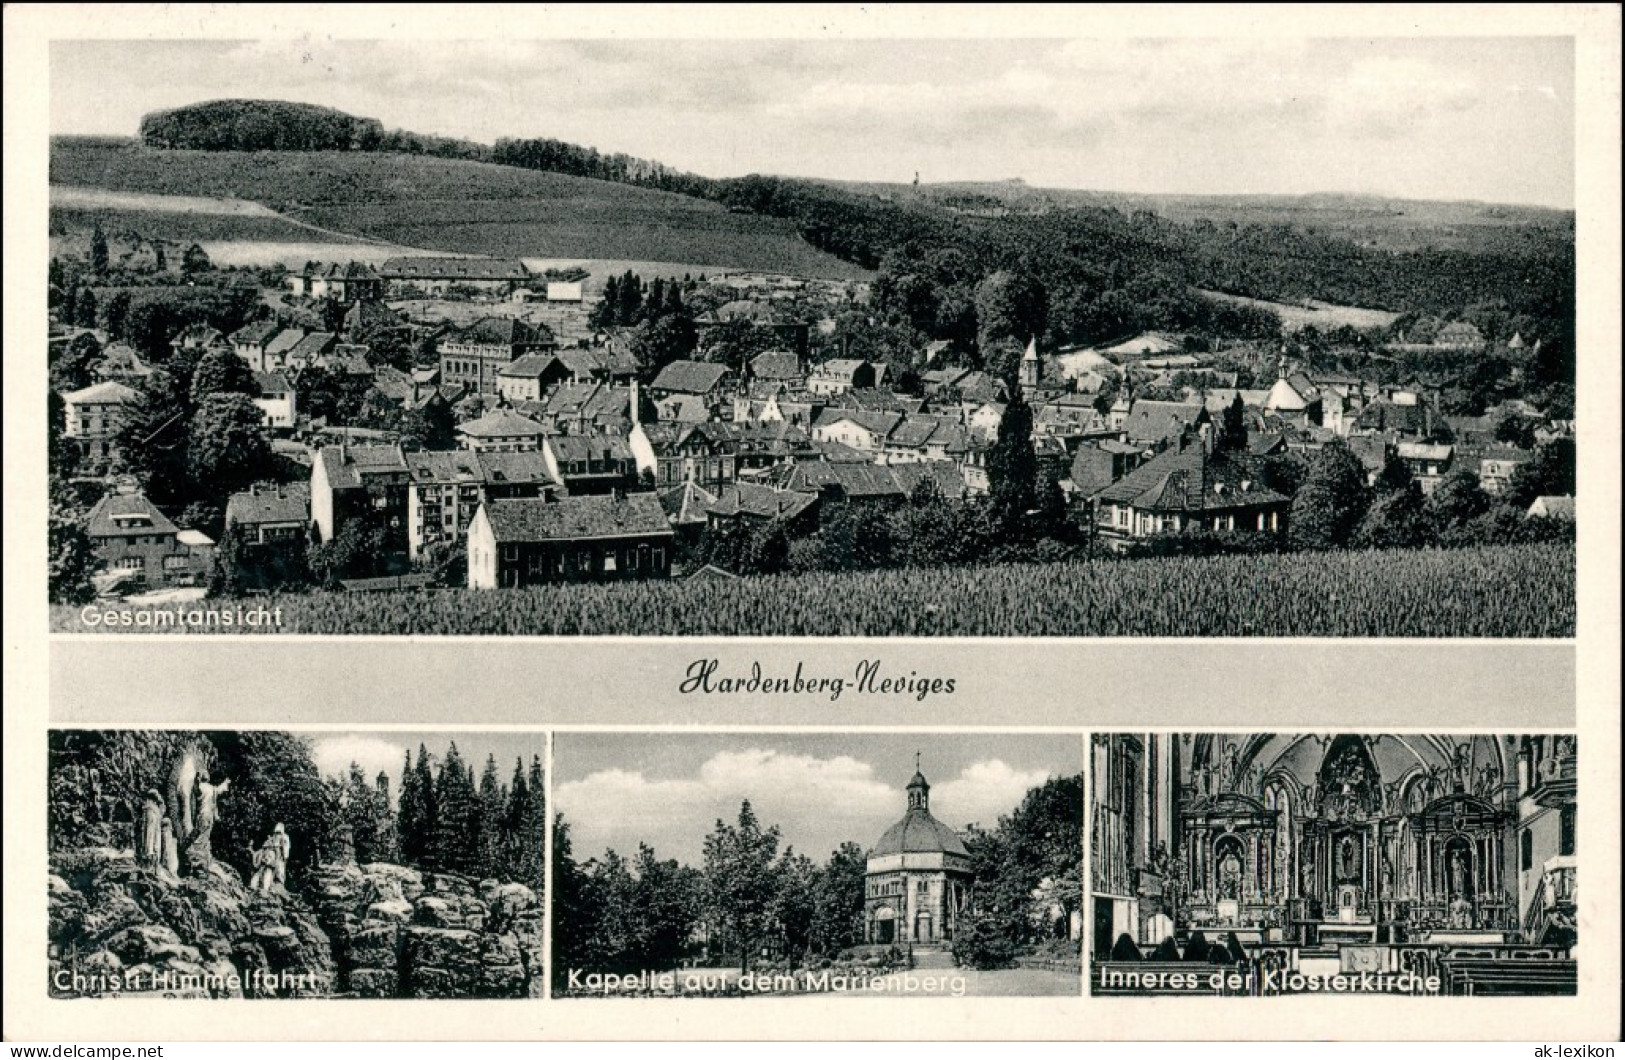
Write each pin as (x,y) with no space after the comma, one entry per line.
(418,833)
(532,838)
(98,250)
(604,313)
(84,311)
(655,304)
(1233,431)
(1012,470)
(456,835)
(629,305)
(492,833)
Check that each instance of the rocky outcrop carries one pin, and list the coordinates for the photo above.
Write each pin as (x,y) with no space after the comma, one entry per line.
(398,932)
(119,928)
(375,930)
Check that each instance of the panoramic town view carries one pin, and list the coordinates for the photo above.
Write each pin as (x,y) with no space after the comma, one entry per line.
(312,371)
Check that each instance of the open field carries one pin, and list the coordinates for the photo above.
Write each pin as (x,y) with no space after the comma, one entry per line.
(1322,315)
(447,205)
(1506,591)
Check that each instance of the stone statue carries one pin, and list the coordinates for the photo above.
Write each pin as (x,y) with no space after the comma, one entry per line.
(1489,778)
(149,849)
(183,777)
(1350,867)
(1230,878)
(1462,764)
(197,853)
(1458,875)
(271,861)
(1387,875)
(283,847)
(1232,767)
(171,855)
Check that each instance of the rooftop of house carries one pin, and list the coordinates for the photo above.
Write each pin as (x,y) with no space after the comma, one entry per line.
(347,465)
(690,377)
(589,448)
(453,467)
(502,331)
(776,365)
(104,393)
(746,498)
(127,515)
(577,518)
(501,423)
(1190,479)
(312,345)
(1156,420)
(273,384)
(432,268)
(255,333)
(259,505)
(687,503)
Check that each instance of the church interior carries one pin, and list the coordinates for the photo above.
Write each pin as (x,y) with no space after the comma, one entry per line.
(1322,855)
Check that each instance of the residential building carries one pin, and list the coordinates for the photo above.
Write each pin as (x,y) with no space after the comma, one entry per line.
(350,282)
(501,431)
(435,277)
(1497,466)
(277,401)
(93,417)
(447,488)
(840,375)
(864,431)
(271,514)
(132,538)
(360,482)
(275,351)
(1428,463)
(473,357)
(590,464)
(1187,487)
(249,342)
(615,537)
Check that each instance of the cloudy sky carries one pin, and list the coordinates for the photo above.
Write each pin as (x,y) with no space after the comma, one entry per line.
(668,790)
(334,752)
(1441,118)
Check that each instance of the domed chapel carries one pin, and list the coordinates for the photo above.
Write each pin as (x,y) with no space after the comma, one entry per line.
(918,876)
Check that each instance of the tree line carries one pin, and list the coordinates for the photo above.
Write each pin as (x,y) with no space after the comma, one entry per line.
(485,827)
(1083,254)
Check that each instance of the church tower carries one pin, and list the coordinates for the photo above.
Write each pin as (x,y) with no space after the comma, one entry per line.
(1031,366)
(919,791)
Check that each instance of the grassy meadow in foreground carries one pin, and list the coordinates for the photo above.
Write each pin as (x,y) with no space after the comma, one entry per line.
(1503,591)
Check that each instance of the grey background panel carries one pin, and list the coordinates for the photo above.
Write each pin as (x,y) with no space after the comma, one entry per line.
(441,681)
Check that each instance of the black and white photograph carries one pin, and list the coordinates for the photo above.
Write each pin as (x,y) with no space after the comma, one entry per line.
(261,864)
(735,865)
(1270,864)
(1160,336)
